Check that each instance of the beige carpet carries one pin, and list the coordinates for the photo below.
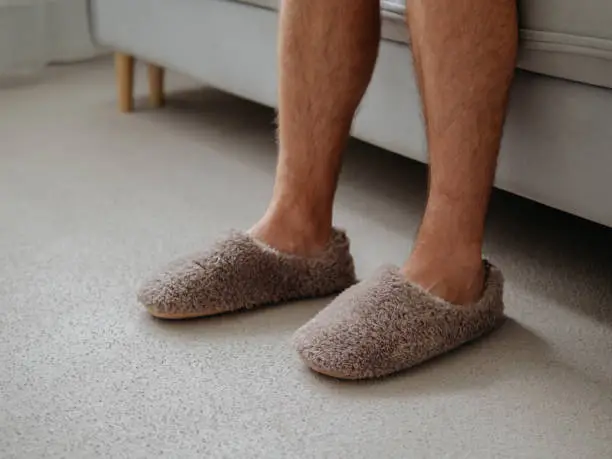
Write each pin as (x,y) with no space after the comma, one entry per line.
(93,200)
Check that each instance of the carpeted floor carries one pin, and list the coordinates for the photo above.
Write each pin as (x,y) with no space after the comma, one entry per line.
(93,200)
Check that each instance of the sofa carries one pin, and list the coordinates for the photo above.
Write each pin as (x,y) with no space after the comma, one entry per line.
(557,145)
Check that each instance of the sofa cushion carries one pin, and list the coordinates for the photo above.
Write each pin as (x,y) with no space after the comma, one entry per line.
(562,38)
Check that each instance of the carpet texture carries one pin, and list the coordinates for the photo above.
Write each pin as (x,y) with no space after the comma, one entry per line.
(92,200)
(239,272)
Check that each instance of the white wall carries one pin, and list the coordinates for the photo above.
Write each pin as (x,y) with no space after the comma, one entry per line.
(34,33)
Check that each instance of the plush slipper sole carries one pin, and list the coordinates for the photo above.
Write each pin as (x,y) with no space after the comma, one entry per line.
(242,273)
(330,374)
(184,316)
(385,324)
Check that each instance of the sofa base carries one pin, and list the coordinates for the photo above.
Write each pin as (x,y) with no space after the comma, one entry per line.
(558,136)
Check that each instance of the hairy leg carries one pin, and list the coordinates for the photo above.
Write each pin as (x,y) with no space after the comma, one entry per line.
(464,52)
(327,54)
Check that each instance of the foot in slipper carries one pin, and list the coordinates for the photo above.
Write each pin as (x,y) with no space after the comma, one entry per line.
(240,273)
(386,324)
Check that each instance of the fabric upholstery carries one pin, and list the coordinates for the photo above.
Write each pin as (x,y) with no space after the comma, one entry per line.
(556,146)
(561,38)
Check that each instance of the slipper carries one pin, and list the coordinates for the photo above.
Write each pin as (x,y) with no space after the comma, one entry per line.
(386,324)
(241,273)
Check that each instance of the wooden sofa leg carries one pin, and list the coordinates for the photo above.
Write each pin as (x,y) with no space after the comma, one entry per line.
(124,72)
(156,85)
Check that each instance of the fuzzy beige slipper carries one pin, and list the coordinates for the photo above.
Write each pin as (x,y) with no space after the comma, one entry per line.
(241,273)
(385,324)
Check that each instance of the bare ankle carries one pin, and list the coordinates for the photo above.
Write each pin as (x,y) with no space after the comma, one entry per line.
(457,278)
(291,233)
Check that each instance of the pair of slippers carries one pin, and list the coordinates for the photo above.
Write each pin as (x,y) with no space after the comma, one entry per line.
(373,328)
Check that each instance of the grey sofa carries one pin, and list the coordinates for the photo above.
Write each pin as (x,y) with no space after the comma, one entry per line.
(557,146)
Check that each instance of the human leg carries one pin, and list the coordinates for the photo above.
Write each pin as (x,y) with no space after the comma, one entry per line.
(327,54)
(465,52)
(444,295)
